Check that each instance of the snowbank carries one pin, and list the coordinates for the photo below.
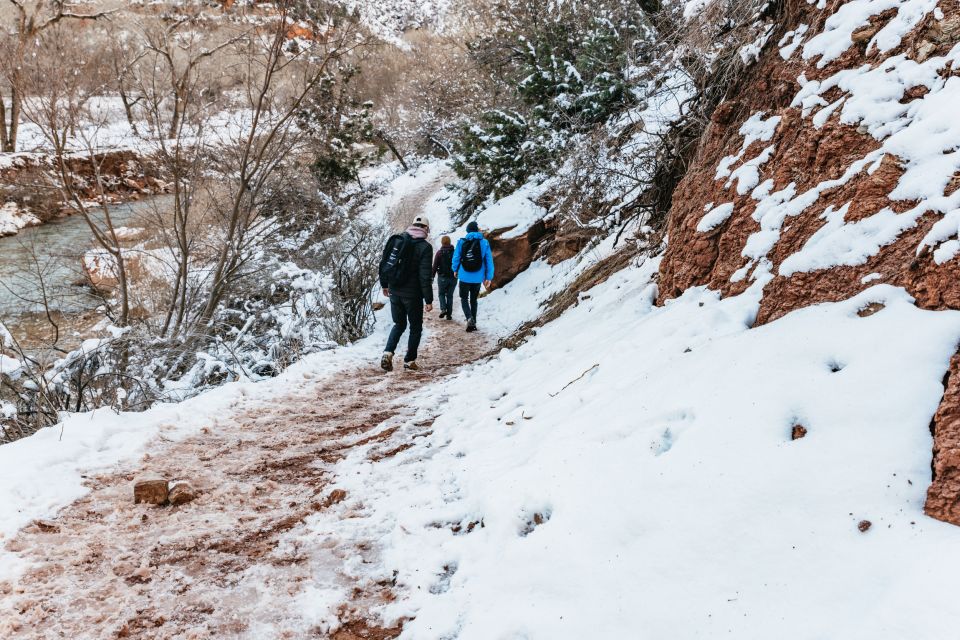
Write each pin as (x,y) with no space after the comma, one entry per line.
(629,472)
(516,212)
(13,219)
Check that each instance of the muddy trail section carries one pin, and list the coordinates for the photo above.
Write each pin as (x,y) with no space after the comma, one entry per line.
(219,567)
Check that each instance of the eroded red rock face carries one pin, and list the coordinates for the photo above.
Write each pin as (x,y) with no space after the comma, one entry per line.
(807,156)
(512,255)
(943,496)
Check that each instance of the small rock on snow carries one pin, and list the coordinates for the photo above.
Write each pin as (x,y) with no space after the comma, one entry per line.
(150,489)
(181,492)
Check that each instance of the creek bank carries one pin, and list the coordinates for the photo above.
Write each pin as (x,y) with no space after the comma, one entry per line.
(28,197)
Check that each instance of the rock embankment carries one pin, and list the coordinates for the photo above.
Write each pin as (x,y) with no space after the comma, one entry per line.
(29,194)
(830,171)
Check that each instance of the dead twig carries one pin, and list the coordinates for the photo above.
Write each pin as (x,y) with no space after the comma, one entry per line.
(580,377)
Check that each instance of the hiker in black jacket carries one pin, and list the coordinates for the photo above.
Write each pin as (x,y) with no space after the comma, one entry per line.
(407,279)
(446,278)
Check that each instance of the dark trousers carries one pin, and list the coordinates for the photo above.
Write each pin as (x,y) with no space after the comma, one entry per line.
(445,287)
(406,311)
(468,298)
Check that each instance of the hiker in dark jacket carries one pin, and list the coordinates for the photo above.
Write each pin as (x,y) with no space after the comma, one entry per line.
(408,282)
(473,264)
(446,278)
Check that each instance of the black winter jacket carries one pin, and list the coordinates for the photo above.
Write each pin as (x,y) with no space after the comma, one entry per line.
(418,282)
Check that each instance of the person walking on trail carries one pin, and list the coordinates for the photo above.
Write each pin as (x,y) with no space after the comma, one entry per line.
(406,278)
(473,264)
(446,277)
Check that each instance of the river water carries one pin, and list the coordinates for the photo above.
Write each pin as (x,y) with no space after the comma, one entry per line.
(46,259)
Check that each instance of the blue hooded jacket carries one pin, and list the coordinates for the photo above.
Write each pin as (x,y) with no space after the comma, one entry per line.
(485,272)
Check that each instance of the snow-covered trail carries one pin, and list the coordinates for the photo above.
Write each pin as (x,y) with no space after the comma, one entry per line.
(219,567)
(418,200)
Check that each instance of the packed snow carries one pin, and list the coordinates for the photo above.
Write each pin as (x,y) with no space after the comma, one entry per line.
(580,487)
(517,212)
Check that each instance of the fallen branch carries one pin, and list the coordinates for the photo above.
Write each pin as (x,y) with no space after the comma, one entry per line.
(580,377)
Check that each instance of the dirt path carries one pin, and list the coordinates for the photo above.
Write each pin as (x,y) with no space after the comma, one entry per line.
(413,204)
(217,567)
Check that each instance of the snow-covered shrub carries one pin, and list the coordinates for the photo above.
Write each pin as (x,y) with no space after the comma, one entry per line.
(611,97)
(340,127)
(565,69)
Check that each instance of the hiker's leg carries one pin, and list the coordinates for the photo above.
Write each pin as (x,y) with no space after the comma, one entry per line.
(445,291)
(415,315)
(399,315)
(451,285)
(474,294)
(441,293)
(465,299)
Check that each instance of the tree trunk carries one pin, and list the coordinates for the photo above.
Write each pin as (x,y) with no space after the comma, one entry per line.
(393,149)
(175,118)
(127,108)
(14,119)
(3,124)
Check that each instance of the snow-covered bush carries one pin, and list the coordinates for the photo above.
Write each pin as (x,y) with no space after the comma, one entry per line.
(609,96)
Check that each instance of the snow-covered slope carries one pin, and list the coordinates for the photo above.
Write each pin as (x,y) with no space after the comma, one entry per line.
(630,473)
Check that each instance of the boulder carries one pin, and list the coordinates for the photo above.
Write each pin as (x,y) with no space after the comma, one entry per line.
(150,489)
(513,254)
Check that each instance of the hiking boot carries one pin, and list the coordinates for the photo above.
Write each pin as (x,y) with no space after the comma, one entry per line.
(471,325)
(386,362)
(412,366)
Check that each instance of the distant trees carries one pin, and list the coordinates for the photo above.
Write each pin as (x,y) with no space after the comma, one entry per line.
(30,19)
(251,260)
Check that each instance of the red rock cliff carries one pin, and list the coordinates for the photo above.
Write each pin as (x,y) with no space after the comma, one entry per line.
(807,183)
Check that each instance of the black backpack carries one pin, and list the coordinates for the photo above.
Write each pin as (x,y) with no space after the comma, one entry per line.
(446,263)
(396,259)
(471,255)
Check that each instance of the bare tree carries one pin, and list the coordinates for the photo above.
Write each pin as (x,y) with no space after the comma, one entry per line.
(182,50)
(278,80)
(59,107)
(31,20)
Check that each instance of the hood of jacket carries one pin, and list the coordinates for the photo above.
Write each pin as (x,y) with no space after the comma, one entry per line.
(474,235)
(417,233)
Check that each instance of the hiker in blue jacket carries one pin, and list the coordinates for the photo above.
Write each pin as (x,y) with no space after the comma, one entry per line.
(473,264)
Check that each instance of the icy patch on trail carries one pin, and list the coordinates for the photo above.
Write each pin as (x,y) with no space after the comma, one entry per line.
(608,479)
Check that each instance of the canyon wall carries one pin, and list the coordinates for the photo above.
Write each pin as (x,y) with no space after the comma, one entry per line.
(833,167)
